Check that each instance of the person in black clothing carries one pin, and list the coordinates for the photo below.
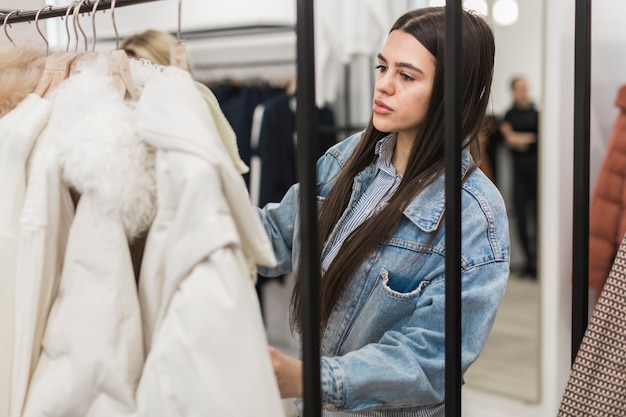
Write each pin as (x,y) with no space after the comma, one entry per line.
(520,128)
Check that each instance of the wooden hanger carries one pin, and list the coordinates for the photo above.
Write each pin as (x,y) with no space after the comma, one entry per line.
(58,64)
(119,65)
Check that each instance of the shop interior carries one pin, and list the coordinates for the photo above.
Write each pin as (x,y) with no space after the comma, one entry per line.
(249,47)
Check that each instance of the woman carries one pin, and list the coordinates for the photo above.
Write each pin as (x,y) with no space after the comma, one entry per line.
(381,222)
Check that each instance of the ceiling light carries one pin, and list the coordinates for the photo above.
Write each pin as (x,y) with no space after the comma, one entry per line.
(436,3)
(505,12)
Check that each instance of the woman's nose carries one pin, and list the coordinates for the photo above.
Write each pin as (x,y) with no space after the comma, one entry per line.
(384,83)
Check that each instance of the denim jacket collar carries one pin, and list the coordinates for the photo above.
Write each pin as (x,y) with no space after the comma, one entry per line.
(427,209)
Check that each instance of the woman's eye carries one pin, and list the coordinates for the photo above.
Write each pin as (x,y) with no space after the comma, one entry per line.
(407,77)
(381,68)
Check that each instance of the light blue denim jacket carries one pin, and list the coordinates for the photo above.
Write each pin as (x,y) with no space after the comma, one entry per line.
(383,347)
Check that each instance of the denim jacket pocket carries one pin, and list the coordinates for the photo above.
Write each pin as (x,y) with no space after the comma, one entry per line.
(390,307)
(392,290)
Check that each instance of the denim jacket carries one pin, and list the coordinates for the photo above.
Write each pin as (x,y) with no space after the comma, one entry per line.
(383,347)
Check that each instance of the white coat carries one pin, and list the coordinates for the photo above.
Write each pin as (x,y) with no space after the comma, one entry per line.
(19,130)
(206,346)
(44,224)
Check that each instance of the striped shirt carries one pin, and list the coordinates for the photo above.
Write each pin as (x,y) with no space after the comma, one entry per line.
(372,200)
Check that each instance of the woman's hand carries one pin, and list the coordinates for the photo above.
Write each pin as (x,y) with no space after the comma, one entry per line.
(288,373)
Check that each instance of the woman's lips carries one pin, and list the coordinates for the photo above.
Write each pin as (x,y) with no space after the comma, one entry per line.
(381,108)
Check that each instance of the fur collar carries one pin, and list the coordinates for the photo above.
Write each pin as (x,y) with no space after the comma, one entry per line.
(99,149)
(20,70)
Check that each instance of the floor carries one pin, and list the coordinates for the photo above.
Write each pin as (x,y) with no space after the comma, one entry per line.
(509,364)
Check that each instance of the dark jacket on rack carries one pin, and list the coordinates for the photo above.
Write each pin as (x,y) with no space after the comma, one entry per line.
(277,145)
(607,217)
(238,103)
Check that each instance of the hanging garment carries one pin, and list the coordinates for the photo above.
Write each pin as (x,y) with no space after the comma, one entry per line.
(44,224)
(224,129)
(278,143)
(92,351)
(338,40)
(206,346)
(597,382)
(607,214)
(19,130)
(238,102)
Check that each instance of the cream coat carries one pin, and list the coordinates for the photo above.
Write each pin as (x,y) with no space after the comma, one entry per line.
(44,224)
(205,341)
(19,130)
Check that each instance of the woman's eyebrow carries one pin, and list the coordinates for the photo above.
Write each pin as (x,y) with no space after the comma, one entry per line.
(402,64)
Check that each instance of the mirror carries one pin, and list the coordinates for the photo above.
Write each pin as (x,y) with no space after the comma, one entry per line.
(510,362)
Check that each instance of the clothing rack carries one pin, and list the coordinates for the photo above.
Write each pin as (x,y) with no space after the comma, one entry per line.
(18,16)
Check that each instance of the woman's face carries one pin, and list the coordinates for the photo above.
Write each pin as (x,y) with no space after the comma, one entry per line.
(403,85)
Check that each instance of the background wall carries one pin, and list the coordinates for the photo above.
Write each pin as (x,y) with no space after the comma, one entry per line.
(518,52)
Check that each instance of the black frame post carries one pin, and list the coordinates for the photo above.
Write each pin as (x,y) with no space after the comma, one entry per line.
(306,130)
(452,106)
(580,250)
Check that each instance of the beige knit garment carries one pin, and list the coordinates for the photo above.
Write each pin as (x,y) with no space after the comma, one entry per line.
(597,382)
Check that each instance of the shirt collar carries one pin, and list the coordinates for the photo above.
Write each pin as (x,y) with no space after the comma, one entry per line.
(384,149)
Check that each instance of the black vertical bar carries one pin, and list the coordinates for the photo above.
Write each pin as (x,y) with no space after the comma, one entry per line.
(580,253)
(452,106)
(306,130)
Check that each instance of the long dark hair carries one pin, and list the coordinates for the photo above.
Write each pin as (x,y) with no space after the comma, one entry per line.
(426,161)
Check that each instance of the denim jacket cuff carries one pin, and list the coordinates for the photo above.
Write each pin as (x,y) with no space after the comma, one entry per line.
(333,395)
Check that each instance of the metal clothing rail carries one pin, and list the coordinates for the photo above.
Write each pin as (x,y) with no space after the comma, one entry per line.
(18,16)
(580,250)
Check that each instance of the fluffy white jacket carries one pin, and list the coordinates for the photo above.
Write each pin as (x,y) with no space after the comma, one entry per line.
(92,351)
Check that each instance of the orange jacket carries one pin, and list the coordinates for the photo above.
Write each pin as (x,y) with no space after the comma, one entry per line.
(607,216)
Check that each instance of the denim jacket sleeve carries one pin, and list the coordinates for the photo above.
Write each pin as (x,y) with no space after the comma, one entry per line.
(281,220)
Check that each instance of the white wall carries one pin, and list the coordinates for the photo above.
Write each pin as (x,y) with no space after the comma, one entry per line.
(22,32)
(519,52)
